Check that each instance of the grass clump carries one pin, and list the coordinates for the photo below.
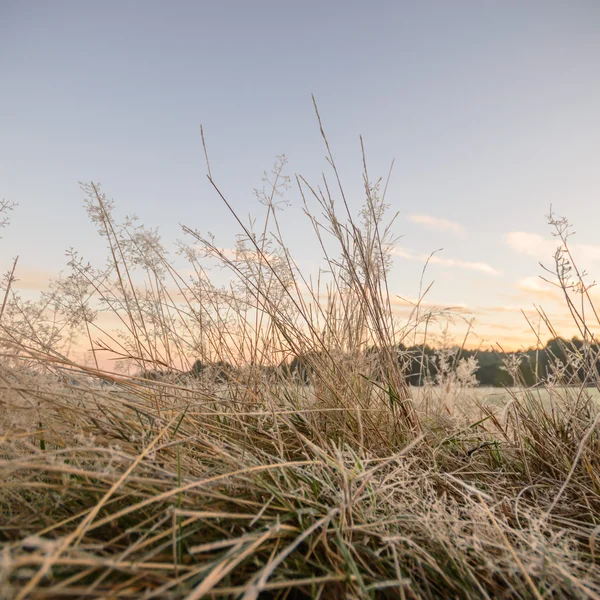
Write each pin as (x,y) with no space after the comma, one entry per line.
(264,441)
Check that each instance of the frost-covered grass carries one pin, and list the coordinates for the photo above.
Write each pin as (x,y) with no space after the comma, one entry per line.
(254,484)
(105,496)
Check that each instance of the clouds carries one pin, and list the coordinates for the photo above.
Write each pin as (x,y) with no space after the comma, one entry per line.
(35,280)
(437,224)
(586,257)
(537,288)
(480,267)
(504,303)
(533,244)
(534,285)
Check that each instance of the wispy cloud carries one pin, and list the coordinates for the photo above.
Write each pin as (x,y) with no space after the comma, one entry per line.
(502,308)
(446,262)
(33,279)
(437,224)
(535,286)
(533,244)
(411,302)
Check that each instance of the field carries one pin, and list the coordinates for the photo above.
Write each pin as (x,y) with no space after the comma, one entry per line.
(500,397)
(238,475)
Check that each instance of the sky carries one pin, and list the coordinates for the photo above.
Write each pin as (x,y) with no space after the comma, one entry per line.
(489,110)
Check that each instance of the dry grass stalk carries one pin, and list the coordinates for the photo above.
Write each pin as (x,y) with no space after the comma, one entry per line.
(241,476)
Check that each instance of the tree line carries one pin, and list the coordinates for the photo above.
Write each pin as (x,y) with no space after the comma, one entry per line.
(566,361)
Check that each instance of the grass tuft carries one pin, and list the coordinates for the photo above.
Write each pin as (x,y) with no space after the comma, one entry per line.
(261,440)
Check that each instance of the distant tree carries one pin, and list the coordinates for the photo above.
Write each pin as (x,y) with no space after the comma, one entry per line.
(301,367)
(222,371)
(196,369)
(155,374)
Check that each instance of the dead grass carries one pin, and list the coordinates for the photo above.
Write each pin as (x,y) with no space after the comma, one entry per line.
(257,485)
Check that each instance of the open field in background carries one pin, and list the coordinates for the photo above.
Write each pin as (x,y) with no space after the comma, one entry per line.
(499,397)
(245,482)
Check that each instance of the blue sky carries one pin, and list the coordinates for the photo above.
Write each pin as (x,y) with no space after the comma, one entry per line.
(490,110)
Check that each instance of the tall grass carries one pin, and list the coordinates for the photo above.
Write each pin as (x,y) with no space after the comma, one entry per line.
(249,478)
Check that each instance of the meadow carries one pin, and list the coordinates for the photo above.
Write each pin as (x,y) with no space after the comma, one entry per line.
(255,484)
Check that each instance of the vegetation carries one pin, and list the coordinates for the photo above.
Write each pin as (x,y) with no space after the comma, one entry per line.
(420,364)
(238,479)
